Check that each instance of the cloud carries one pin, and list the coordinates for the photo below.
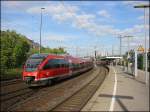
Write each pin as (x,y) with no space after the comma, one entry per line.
(57,12)
(84,18)
(14,24)
(84,21)
(104,13)
(136,29)
(142,17)
(78,19)
(62,13)
(103,30)
(11,3)
(55,40)
(58,38)
(13,6)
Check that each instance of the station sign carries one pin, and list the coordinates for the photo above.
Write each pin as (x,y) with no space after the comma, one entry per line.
(140,48)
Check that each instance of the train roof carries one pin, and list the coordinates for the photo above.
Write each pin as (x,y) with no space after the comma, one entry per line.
(68,57)
(43,55)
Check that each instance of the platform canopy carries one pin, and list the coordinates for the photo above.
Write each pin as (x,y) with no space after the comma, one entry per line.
(113,57)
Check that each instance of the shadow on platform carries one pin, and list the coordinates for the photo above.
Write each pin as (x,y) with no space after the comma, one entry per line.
(118,99)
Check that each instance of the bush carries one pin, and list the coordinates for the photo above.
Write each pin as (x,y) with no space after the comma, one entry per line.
(140,61)
(14,49)
(11,74)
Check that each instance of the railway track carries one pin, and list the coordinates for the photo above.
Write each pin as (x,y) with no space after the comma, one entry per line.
(48,98)
(14,81)
(14,91)
(18,92)
(13,97)
(77,101)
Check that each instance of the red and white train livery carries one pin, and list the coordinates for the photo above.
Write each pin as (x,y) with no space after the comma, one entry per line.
(42,69)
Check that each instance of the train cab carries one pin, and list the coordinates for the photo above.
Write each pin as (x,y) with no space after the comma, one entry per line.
(41,68)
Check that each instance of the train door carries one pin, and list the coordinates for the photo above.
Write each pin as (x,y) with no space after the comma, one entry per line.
(60,68)
(50,69)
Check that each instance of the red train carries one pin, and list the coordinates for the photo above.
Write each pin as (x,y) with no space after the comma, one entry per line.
(42,69)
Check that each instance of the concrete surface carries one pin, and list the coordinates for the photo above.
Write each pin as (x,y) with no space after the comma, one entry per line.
(140,74)
(120,92)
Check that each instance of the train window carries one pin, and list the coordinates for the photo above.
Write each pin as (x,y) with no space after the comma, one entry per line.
(52,63)
(64,63)
(77,66)
(67,64)
(73,66)
(70,65)
(47,66)
(32,63)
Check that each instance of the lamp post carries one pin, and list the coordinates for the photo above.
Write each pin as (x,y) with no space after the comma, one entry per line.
(40,30)
(145,6)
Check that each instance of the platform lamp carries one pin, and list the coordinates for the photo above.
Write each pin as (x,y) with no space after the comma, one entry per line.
(40,30)
(145,6)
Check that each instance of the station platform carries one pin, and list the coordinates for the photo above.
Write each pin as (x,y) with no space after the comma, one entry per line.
(120,92)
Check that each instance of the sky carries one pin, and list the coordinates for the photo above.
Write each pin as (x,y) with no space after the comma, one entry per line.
(79,26)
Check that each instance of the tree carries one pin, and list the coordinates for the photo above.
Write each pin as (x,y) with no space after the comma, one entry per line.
(140,61)
(14,49)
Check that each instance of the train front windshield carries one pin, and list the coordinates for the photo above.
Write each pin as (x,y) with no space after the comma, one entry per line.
(33,62)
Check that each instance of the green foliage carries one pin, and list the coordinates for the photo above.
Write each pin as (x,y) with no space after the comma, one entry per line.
(14,49)
(11,74)
(140,61)
(48,50)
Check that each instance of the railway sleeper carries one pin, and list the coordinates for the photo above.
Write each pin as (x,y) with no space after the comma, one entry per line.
(78,100)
